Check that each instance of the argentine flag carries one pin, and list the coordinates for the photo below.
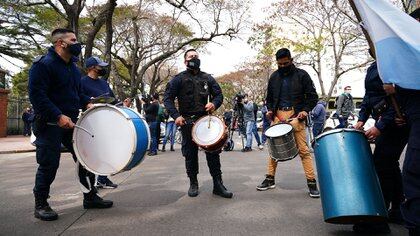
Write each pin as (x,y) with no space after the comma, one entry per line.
(396,37)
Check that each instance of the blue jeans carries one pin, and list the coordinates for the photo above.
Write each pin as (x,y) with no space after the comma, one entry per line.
(343,122)
(170,133)
(266,125)
(249,132)
(256,135)
(153,126)
(317,129)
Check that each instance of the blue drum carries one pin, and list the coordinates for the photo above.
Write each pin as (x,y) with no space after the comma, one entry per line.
(110,139)
(349,186)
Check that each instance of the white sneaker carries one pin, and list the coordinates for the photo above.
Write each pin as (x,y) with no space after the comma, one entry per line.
(261,147)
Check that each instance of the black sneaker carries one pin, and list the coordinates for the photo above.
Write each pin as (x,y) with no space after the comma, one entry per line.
(96,202)
(246,149)
(267,184)
(107,183)
(313,189)
(152,154)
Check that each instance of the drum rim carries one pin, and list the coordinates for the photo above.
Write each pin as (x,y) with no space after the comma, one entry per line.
(135,144)
(76,150)
(277,125)
(194,128)
(336,131)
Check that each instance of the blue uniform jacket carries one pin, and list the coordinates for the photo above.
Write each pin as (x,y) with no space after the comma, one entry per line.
(55,87)
(373,95)
(96,87)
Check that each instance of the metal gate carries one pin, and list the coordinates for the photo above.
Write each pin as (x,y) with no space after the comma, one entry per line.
(15,109)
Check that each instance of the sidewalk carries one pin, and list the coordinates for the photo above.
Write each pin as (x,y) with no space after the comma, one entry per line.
(15,144)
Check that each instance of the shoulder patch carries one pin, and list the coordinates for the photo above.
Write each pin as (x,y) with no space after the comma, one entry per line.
(38,58)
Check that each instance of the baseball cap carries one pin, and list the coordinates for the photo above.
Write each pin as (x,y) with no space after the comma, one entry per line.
(95,61)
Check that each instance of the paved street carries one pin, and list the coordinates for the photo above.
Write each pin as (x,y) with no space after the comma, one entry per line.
(152,200)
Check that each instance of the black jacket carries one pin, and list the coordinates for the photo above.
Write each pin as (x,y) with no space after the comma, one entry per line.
(151,111)
(189,88)
(303,94)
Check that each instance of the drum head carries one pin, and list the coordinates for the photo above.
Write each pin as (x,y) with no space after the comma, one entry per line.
(278,130)
(113,144)
(204,135)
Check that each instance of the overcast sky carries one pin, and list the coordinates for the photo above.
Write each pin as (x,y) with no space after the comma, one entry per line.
(225,56)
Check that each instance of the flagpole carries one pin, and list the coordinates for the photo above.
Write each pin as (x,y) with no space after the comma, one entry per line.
(359,19)
(372,48)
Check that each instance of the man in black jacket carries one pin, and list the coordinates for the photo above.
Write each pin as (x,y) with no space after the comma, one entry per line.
(192,88)
(291,95)
(152,109)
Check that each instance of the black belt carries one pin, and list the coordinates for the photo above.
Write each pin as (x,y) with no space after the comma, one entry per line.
(285,108)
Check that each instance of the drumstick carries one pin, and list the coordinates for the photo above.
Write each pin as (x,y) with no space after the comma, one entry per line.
(208,101)
(102,95)
(76,126)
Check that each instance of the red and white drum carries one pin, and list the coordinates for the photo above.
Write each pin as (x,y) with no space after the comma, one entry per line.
(210,133)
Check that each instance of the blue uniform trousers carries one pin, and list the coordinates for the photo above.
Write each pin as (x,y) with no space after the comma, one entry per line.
(388,148)
(411,179)
(48,146)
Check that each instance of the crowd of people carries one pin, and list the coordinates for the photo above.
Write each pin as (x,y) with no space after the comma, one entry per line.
(57,91)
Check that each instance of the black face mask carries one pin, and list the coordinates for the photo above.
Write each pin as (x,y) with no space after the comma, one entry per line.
(102,72)
(285,70)
(74,49)
(193,64)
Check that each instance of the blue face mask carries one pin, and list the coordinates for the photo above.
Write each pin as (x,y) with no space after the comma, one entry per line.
(75,49)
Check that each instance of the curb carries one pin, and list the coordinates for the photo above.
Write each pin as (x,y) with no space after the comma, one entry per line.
(16,151)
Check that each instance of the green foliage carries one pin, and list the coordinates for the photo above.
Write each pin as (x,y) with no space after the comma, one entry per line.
(228,93)
(20,83)
(26,29)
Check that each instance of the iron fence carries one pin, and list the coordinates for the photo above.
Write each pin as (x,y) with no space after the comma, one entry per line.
(15,109)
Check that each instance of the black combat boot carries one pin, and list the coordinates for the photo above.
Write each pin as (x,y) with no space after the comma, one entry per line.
(395,216)
(219,188)
(163,148)
(193,191)
(172,148)
(372,228)
(313,189)
(43,210)
(92,200)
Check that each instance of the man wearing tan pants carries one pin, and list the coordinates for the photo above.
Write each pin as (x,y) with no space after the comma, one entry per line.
(290,96)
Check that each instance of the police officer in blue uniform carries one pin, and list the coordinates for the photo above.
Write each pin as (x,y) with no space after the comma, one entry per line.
(192,88)
(409,100)
(55,93)
(93,86)
(390,140)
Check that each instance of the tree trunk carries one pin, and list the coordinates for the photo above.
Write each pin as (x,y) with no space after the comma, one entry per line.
(319,72)
(105,15)
(109,32)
